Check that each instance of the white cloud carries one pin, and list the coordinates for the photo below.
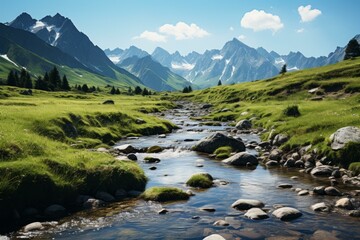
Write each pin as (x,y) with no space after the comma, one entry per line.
(183,31)
(260,20)
(307,14)
(231,29)
(152,36)
(241,37)
(301,30)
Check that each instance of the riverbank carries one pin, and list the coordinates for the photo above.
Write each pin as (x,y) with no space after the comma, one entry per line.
(44,156)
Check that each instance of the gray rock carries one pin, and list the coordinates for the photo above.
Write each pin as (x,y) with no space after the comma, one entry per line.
(354,213)
(296,156)
(303,192)
(280,139)
(55,211)
(104,196)
(152,168)
(216,140)
(163,211)
(344,135)
(323,171)
(241,159)
(344,203)
(299,164)
(245,204)
(336,174)
(320,207)
(126,148)
(35,226)
(272,163)
(140,121)
(102,149)
(321,235)
(243,124)
(162,136)
(290,163)
(285,185)
(221,223)
(320,190)
(120,194)
(214,237)
(332,191)
(256,214)
(287,213)
(132,157)
(264,144)
(275,154)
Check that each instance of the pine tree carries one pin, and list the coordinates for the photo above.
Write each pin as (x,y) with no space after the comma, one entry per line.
(28,82)
(219,83)
(11,81)
(85,88)
(112,91)
(145,92)
(185,90)
(65,84)
(138,90)
(46,81)
(92,89)
(283,69)
(117,91)
(352,49)
(22,79)
(190,89)
(55,79)
(98,89)
(79,88)
(130,90)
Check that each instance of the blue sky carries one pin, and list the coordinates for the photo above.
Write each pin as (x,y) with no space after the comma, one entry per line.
(204,24)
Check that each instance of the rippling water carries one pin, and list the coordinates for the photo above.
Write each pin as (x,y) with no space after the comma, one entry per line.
(137,219)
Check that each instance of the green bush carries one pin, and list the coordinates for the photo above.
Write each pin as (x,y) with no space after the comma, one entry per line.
(355,167)
(292,111)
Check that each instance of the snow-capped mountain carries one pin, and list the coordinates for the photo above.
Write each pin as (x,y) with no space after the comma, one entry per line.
(118,55)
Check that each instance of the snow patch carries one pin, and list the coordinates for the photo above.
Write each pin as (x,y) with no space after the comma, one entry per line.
(182,66)
(115,59)
(37,26)
(232,72)
(223,71)
(279,61)
(8,59)
(217,57)
(293,69)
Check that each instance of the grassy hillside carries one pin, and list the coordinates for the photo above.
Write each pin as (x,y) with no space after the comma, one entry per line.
(334,104)
(43,142)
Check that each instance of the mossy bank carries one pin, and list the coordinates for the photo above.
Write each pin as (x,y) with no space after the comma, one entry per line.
(45,140)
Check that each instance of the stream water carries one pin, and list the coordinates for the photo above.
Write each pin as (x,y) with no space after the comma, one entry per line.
(137,219)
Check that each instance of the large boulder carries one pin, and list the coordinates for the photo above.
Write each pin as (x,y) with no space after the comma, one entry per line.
(322,170)
(286,213)
(126,148)
(216,140)
(243,124)
(256,214)
(241,159)
(245,204)
(344,135)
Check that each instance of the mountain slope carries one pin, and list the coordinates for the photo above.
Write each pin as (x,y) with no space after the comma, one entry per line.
(153,74)
(60,32)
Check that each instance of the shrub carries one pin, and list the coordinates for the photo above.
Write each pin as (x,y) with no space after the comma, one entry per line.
(292,111)
(355,167)
(164,194)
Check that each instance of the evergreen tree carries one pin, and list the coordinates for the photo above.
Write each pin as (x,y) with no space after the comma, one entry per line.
(38,83)
(352,49)
(112,91)
(79,88)
(190,89)
(98,89)
(85,88)
(138,90)
(219,83)
(117,91)
(28,82)
(65,84)
(185,90)
(46,80)
(22,79)
(130,90)
(92,89)
(55,79)
(145,92)
(283,69)
(11,80)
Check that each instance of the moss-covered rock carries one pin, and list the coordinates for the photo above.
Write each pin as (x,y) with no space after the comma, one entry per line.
(223,152)
(164,194)
(355,167)
(200,180)
(155,149)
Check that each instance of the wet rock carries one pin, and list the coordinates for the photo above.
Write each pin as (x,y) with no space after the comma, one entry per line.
(275,154)
(354,213)
(35,226)
(163,211)
(344,135)
(294,177)
(287,213)
(104,196)
(216,140)
(108,102)
(55,211)
(206,106)
(336,174)
(134,193)
(272,163)
(241,159)
(149,159)
(344,203)
(332,191)
(323,171)
(290,163)
(154,149)
(221,223)
(200,180)
(190,193)
(320,190)
(126,148)
(132,157)
(208,209)
(321,235)
(303,193)
(279,139)
(214,237)
(264,144)
(296,156)
(243,124)
(285,185)
(320,207)
(92,203)
(245,204)
(152,168)
(30,212)
(299,164)
(120,194)
(162,136)
(256,214)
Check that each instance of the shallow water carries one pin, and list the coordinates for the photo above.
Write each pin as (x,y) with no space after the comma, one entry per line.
(137,219)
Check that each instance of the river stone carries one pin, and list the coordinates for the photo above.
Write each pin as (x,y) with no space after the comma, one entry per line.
(140,121)
(163,211)
(320,207)
(344,135)
(241,159)
(271,163)
(211,143)
(303,192)
(354,213)
(92,203)
(280,139)
(299,164)
(275,154)
(336,173)
(126,148)
(214,237)
(132,157)
(290,163)
(320,190)
(55,211)
(120,194)
(245,204)
(323,171)
(208,209)
(332,191)
(243,124)
(285,185)
(151,160)
(206,106)
(162,136)
(287,213)
(344,203)
(221,223)
(35,226)
(104,196)
(256,214)
(321,235)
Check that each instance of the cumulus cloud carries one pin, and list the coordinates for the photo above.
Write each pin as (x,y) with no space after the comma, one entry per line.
(301,30)
(241,37)
(307,14)
(152,36)
(183,31)
(260,20)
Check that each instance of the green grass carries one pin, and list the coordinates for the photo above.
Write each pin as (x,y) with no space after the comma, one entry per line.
(44,140)
(338,84)
(223,152)
(164,194)
(200,180)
